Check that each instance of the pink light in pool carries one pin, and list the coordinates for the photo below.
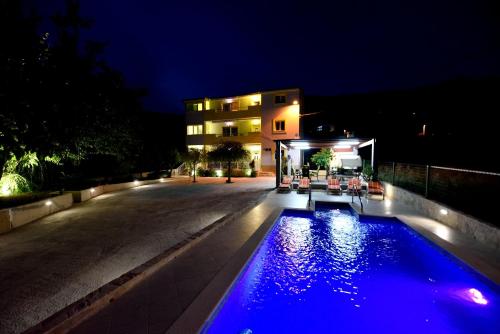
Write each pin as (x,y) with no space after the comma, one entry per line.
(477,296)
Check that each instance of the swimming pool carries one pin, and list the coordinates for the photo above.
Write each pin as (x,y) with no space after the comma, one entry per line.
(327,272)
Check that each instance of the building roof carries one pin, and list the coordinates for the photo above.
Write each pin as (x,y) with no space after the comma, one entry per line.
(240,95)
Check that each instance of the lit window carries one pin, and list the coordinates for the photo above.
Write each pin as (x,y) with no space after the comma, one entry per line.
(279,99)
(195,130)
(279,126)
(195,107)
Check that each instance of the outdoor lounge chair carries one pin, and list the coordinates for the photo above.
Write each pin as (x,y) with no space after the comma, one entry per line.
(286,184)
(354,185)
(376,188)
(304,185)
(333,186)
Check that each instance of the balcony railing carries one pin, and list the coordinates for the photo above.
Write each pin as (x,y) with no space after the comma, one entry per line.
(244,138)
(242,134)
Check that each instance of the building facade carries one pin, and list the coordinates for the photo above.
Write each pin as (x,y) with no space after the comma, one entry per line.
(255,120)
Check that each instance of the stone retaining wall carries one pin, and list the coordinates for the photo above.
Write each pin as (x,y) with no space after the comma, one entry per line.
(481,231)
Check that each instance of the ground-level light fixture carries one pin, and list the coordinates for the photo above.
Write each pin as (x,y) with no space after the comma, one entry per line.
(218,172)
(48,203)
(444,212)
(5,191)
(136,182)
(295,102)
(162,179)
(92,190)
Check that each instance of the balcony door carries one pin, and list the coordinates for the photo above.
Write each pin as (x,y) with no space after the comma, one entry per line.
(229,131)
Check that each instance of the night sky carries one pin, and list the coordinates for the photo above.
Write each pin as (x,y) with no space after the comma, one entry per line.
(182,49)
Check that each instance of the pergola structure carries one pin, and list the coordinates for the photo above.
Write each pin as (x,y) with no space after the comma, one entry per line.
(339,145)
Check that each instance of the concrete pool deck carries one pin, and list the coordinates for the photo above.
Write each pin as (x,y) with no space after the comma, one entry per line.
(51,263)
(179,296)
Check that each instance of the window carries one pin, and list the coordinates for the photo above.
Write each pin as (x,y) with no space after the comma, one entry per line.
(195,129)
(279,126)
(229,131)
(226,107)
(279,99)
(195,107)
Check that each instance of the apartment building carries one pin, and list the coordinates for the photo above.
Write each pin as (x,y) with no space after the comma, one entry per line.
(255,120)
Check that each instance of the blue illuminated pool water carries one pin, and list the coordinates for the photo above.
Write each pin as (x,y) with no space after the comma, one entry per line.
(327,272)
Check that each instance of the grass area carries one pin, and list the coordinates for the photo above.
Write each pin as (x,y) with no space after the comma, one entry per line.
(26,198)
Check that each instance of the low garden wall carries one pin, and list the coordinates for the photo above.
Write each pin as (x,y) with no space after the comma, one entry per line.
(481,231)
(20,215)
(23,214)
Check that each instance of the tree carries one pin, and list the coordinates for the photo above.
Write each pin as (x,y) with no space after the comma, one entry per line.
(192,158)
(322,158)
(229,152)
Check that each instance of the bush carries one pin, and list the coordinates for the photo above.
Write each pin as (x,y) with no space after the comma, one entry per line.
(205,172)
(367,172)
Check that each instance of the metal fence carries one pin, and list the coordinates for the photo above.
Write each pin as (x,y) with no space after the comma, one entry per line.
(470,191)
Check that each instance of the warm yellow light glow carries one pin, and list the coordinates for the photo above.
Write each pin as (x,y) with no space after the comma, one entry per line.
(229,123)
(443,212)
(256,99)
(5,190)
(207,105)
(48,203)
(162,179)
(295,102)
(253,148)
(195,129)
(92,190)
(136,182)
(256,121)
(218,172)
(229,100)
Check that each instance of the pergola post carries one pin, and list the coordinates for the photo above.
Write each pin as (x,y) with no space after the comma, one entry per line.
(277,156)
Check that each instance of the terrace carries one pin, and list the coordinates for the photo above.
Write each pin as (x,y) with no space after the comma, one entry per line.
(178,296)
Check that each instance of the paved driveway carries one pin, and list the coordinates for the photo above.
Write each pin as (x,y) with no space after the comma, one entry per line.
(47,265)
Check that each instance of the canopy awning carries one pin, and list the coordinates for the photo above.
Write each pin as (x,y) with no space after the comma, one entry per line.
(351,162)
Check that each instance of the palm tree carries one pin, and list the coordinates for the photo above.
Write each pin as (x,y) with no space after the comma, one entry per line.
(229,152)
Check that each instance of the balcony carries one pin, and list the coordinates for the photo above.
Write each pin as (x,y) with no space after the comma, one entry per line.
(244,138)
(216,115)
(195,140)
